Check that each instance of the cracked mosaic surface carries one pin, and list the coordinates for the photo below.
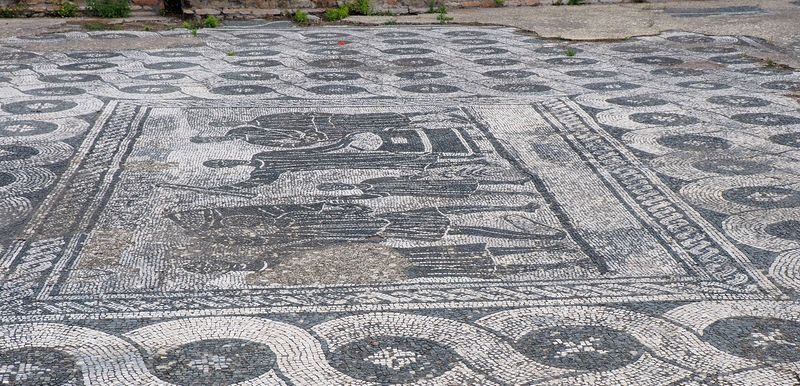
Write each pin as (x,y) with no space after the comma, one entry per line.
(426,205)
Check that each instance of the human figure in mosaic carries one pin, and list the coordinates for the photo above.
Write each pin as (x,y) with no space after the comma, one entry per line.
(308,129)
(323,223)
(392,149)
(481,260)
(417,186)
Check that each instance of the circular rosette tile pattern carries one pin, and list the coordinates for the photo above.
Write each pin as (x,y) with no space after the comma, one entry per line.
(776,230)
(766,119)
(13,210)
(333,76)
(785,269)
(738,101)
(782,85)
(791,139)
(635,49)
(391,359)
(666,141)
(764,339)
(396,34)
(765,332)
(47,108)
(593,348)
(71,78)
(592,74)
(431,88)
(636,101)
(213,362)
(55,354)
(391,347)
(657,60)
(18,181)
(404,42)
(211,348)
(695,165)
(732,195)
(22,155)
(678,72)
(662,117)
(13,131)
(87,66)
(484,51)
(39,366)
(599,345)
(55,91)
(521,88)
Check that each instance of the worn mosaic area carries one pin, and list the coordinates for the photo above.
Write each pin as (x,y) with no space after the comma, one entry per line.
(426,205)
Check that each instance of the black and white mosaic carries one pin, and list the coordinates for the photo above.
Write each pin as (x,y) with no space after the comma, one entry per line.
(426,205)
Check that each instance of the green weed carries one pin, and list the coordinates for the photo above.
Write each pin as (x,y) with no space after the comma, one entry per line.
(442,17)
(211,21)
(67,9)
(7,13)
(336,14)
(109,8)
(361,7)
(300,17)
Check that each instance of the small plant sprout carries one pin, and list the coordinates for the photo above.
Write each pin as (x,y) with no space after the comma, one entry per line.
(570,52)
(109,8)
(336,14)
(230,53)
(211,21)
(499,3)
(67,9)
(442,17)
(300,17)
(362,7)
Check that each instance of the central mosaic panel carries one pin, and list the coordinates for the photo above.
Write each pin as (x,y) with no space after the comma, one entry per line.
(321,206)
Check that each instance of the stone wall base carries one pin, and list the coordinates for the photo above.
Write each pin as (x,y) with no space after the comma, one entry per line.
(255,9)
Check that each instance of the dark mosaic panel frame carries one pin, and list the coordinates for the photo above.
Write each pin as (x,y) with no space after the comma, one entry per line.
(710,267)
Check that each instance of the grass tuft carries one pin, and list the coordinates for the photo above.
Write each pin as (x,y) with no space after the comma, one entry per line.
(109,8)
(67,9)
(211,21)
(300,17)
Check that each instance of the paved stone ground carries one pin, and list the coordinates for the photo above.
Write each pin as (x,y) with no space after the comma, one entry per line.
(420,205)
(774,21)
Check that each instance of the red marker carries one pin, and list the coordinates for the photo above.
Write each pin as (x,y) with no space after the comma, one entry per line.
(341,42)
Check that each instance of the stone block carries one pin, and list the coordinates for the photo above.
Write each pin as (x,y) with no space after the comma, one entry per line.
(207,11)
(146,3)
(274,11)
(259,13)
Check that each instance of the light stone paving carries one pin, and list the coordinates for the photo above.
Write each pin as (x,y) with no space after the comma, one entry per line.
(398,205)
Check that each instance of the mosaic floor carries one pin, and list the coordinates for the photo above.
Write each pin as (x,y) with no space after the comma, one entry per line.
(421,205)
